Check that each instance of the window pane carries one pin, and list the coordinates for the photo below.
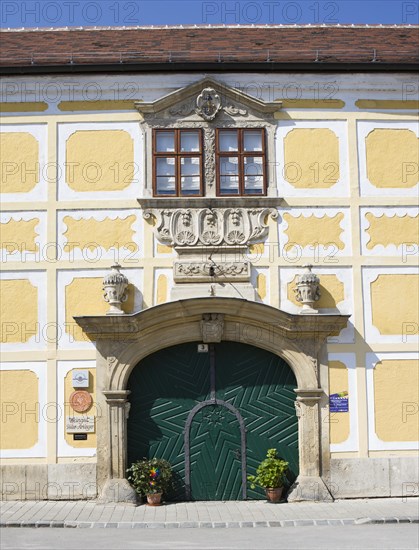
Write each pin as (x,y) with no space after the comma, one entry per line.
(189,142)
(190,185)
(166,185)
(165,142)
(229,185)
(229,166)
(253,186)
(165,166)
(252,140)
(228,140)
(190,166)
(253,175)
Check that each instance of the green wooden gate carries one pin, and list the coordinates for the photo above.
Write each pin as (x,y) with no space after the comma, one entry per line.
(213,416)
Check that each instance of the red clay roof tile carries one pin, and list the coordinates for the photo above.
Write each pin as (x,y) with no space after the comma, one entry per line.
(148,45)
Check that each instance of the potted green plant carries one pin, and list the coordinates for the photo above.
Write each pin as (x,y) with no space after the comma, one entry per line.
(150,478)
(270,475)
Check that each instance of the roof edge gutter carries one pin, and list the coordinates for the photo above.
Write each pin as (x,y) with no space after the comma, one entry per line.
(214,67)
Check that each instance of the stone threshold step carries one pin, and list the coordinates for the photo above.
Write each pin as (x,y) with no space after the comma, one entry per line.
(208,524)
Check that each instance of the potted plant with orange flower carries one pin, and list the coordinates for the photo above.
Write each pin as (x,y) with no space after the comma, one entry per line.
(150,478)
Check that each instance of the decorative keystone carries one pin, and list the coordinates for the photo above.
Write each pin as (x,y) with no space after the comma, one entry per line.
(212,327)
(307,291)
(114,286)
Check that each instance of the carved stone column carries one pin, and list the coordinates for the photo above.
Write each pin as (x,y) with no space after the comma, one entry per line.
(309,485)
(117,488)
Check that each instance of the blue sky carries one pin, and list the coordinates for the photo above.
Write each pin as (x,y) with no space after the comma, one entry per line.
(56,13)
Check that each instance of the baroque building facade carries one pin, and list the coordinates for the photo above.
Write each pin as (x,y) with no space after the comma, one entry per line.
(209,242)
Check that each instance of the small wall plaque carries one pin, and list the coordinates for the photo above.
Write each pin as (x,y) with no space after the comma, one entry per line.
(80,378)
(81,401)
(80,424)
(202,348)
(79,437)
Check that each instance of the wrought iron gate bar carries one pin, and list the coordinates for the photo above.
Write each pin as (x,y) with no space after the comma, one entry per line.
(212,370)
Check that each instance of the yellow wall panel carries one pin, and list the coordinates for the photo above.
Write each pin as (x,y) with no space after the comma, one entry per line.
(99,160)
(311,157)
(394,301)
(21,232)
(164,249)
(18,310)
(20,162)
(68,390)
(392,158)
(161,289)
(101,105)
(312,230)
(386,230)
(261,285)
(312,104)
(256,250)
(84,296)
(93,233)
(387,104)
(22,107)
(338,382)
(396,398)
(20,414)
(332,292)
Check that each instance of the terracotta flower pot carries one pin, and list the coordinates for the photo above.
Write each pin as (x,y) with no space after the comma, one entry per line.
(154,499)
(273,494)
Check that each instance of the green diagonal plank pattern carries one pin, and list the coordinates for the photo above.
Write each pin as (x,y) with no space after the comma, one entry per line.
(260,385)
(215,455)
(167,385)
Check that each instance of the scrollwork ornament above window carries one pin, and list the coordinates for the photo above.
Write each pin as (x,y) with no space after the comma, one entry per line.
(208,104)
(192,227)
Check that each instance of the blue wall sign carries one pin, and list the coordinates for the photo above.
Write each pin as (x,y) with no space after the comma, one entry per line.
(339,402)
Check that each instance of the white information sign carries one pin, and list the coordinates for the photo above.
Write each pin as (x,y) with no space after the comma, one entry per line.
(80,424)
(80,378)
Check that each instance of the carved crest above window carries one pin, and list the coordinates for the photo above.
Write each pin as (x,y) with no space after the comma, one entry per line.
(204,100)
(208,103)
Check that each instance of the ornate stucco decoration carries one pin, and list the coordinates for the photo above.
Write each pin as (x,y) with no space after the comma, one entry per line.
(211,242)
(307,291)
(208,103)
(209,146)
(190,227)
(209,271)
(206,98)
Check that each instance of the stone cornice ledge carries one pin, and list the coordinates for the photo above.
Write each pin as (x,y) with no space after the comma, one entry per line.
(209,202)
(119,327)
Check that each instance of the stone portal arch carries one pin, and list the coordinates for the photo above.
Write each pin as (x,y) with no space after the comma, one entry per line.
(123,340)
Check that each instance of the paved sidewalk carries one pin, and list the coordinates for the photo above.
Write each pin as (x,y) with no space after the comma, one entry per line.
(207,514)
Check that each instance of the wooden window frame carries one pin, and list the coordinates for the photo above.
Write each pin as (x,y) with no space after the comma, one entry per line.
(178,155)
(241,155)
